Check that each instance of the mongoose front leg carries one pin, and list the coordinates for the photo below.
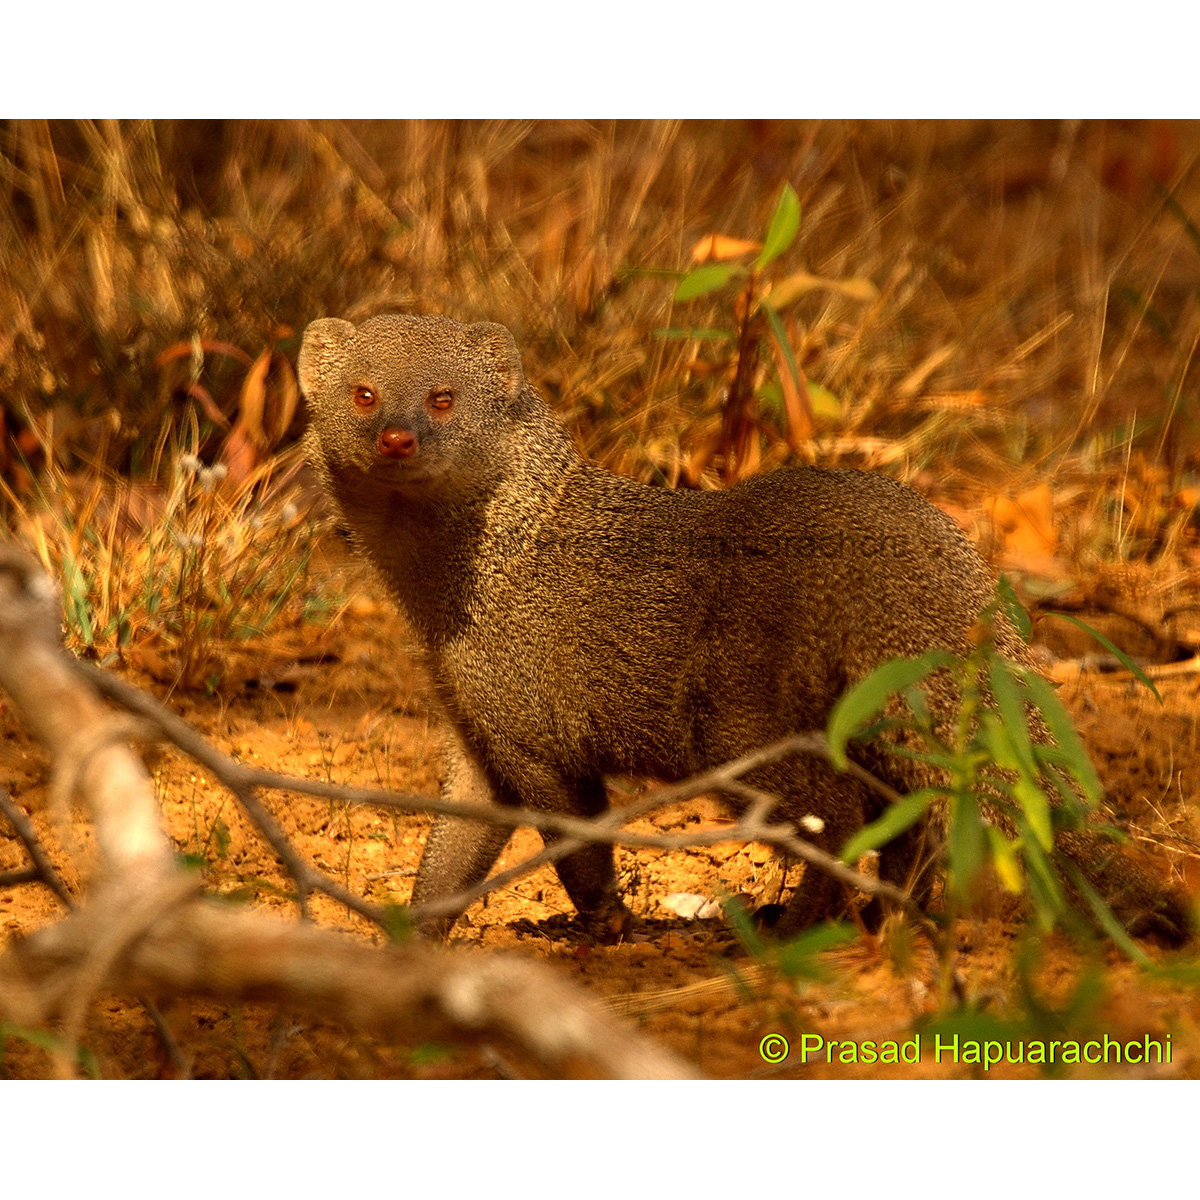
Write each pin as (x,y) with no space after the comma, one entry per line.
(590,878)
(458,853)
(588,875)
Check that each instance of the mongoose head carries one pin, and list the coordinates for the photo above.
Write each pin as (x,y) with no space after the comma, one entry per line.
(403,400)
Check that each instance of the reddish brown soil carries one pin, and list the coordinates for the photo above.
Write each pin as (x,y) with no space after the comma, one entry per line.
(360,716)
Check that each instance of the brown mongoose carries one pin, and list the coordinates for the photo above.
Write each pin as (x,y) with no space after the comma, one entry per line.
(575,623)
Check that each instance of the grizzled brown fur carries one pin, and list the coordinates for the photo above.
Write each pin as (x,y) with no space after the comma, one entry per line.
(576,624)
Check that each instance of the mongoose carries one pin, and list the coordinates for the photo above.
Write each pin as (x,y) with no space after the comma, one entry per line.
(576,624)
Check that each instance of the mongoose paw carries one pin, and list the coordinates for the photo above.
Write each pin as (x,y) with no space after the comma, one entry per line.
(767,916)
(1171,923)
(608,928)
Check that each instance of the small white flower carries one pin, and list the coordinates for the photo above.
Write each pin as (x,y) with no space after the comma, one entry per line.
(812,824)
(188,464)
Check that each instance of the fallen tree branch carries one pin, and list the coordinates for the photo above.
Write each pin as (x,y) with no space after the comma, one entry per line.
(417,992)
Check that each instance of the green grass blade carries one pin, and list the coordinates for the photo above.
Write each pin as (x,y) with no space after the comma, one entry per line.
(1115,651)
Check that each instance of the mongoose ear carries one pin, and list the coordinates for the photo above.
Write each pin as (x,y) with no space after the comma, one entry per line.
(496,348)
(323,353)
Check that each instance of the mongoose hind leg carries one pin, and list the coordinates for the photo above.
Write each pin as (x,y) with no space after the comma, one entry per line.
(590,878)
(828,811)
(589,875)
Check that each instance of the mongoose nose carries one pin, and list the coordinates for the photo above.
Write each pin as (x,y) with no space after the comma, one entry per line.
(397,443)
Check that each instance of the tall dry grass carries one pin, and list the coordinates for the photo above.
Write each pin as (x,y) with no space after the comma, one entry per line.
(1037,311)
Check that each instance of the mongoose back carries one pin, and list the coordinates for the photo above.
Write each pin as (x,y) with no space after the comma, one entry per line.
(575,623)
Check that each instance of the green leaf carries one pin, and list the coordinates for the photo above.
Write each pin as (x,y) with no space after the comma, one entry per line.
(1044,886)
(1035,804)
(1004,859)
(785,224)
(798,958)
(743,925)
(221,836)
(770,395)
(1011,706)
(1074,755)
(1033,801)
(870,695)
(1007,737)
(398,923)
(895,820)
(919,703)
(1115,651)
(1069,814)
(1013,608)
(708,278)
(824,402)
(964,844)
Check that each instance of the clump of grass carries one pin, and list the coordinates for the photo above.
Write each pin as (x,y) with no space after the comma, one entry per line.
(178,569)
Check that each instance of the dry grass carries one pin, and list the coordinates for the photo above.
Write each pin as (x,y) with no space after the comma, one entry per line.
(178,570)
(1036,317)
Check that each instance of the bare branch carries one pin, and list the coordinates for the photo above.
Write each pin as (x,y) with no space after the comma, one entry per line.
(43,869)
(237,776)
(417,991)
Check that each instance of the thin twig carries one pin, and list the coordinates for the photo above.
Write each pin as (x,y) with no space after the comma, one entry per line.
(575,832)
(182,1065)
(236,775)
(43,869)
(14,878)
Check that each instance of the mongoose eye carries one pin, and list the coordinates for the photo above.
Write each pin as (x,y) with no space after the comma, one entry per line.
(365,397)
(442,399)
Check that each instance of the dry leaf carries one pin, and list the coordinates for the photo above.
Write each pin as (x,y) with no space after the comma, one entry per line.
(208,345)
(252,402)
(955,401)
(283,411)
(1025,525)
(1025,530)
(716,247)
(788,291)
(797,403)
(917,377)
(203,397)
